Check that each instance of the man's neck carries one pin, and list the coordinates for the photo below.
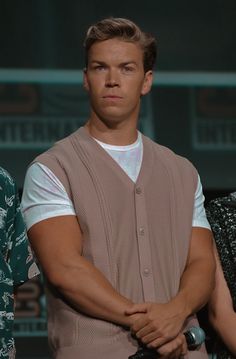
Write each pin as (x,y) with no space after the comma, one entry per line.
(121,136)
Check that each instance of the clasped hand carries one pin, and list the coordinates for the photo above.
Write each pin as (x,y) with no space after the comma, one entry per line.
(159,326)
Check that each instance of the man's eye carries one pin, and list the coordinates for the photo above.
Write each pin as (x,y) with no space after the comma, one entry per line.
(128,69)
(99,67)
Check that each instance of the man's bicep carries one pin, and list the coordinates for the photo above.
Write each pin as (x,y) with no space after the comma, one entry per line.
(57,243)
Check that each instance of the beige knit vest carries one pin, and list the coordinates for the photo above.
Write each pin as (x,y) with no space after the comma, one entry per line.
(137,234)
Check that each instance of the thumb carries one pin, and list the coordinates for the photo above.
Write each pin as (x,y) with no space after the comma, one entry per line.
(137,308)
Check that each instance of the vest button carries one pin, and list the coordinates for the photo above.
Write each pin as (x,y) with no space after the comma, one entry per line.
(146,272)
(138,190)
(141,231)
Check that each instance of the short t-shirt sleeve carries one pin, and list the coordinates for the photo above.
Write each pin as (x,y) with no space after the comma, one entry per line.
(20,257)
(199,213)
(43,196)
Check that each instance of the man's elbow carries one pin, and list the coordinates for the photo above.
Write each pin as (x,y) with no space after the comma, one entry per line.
(63,277)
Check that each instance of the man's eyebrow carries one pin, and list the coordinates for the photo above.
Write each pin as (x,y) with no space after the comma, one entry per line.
(98,62)
(125,63)
(131,62)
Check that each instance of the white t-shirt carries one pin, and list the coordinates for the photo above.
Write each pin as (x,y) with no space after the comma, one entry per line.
(44,196)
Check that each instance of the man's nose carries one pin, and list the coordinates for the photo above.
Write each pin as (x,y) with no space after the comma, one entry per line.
(112,79)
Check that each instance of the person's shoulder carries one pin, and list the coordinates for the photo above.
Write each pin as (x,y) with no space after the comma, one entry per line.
(53,153)
(224,204)
(6,180)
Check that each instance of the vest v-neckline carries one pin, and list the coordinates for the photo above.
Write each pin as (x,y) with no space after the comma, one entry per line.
(145,167)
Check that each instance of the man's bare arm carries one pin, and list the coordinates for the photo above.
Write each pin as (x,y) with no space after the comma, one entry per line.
(221,311)
(198,279)
(163,322)
(57,243)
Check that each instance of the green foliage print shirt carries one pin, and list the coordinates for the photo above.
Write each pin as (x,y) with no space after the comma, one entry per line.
(16,260)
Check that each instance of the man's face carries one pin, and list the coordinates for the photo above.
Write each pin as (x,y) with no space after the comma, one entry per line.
(115,80)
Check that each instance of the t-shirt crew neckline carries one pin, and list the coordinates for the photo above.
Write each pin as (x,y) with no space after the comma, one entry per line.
(132,146)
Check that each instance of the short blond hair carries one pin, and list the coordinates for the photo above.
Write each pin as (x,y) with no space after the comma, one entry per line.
(125,30)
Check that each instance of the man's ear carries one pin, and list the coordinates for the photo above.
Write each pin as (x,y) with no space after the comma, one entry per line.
(147,82)
(85,79)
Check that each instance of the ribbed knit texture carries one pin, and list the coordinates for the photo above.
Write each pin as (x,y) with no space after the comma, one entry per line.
(137,234)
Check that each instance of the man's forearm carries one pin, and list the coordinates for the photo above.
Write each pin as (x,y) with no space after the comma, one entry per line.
(57,243)
(88,291)
(198,278)
(196,285)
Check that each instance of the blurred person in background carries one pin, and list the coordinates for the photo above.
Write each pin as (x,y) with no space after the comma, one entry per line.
(221,213)
(16,260)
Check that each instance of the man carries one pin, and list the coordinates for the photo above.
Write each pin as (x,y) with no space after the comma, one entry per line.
(16,260)
(110,213)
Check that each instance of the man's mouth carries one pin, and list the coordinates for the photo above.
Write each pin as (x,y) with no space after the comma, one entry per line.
(112,97)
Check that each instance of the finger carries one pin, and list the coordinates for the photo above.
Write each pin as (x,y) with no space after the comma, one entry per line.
(137,308)
(169,353)
(177,353)
(184,346)
(154,338)
(157,343)
(172,349)
(148,338)
(150,333)
(139,324)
